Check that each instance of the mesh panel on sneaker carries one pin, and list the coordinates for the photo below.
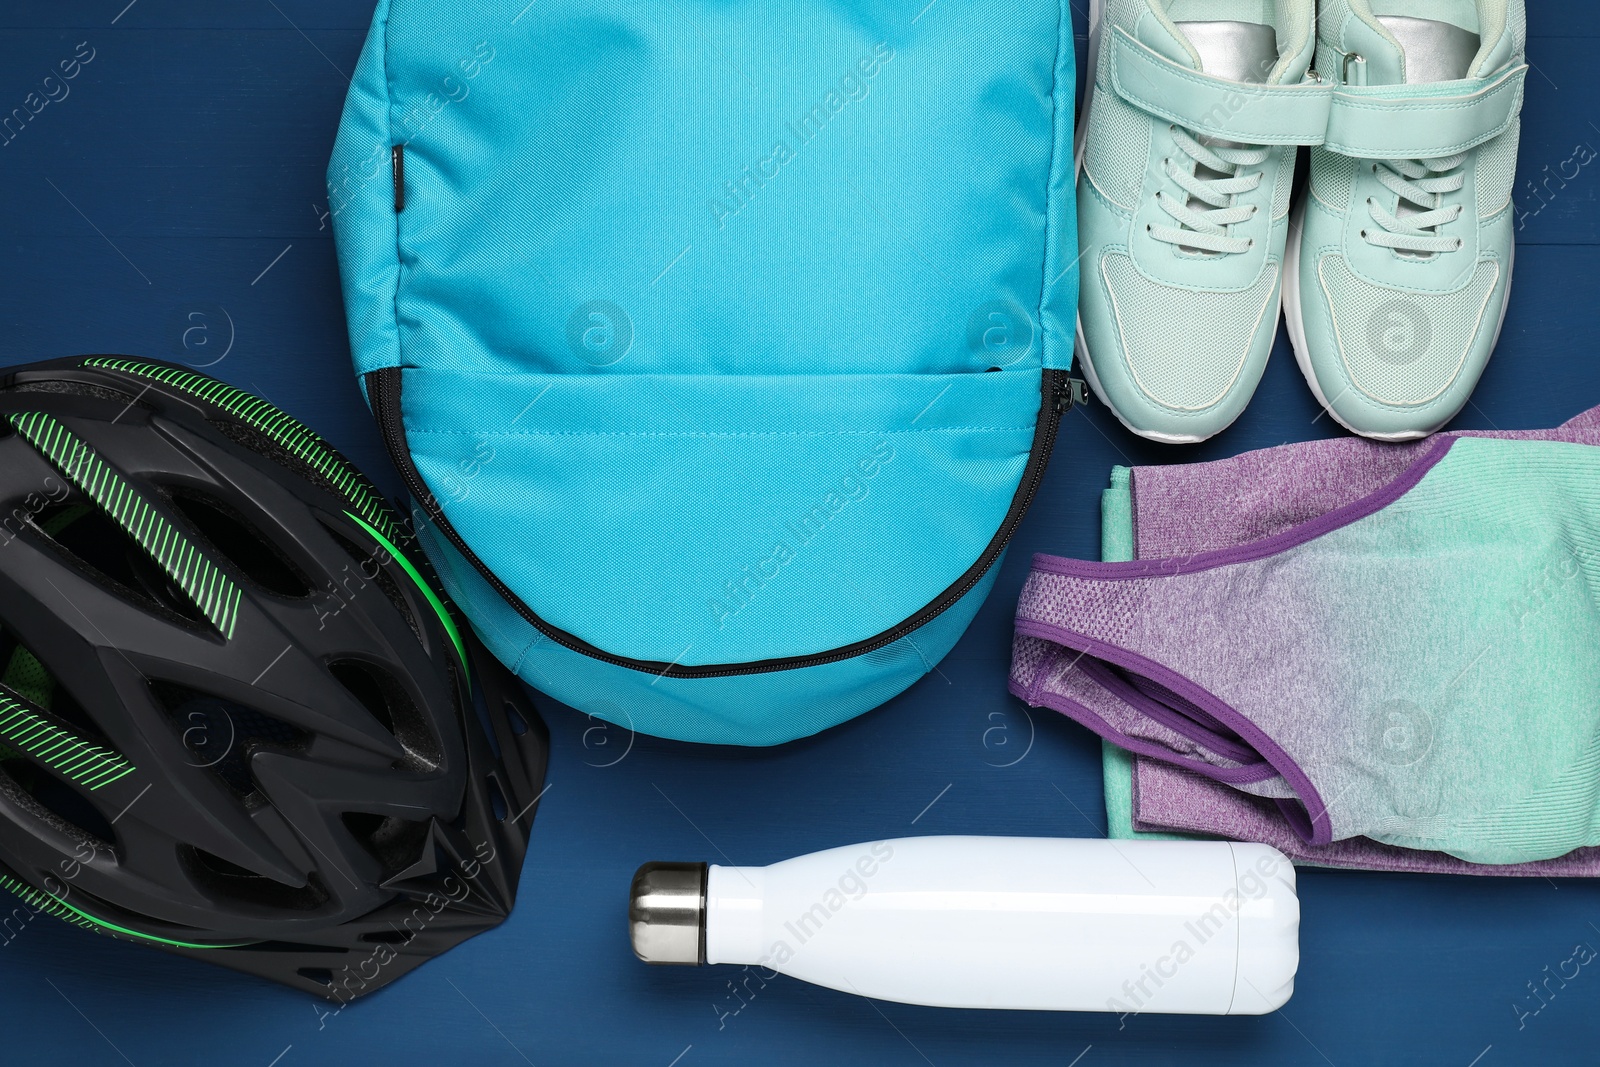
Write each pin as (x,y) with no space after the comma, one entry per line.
(1332,12)
(1293,22)
(1497,171)
(1122,12)
(1500,16)
(1331,17)
(1331,175)
(1516,20)
(1184,348)
(1403,347)
(1118,149)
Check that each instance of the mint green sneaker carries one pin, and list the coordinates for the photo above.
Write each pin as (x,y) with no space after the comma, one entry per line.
(1399,267)
(1186,160)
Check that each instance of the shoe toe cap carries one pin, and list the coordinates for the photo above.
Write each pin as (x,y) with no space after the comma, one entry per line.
(1178,364)
(1403,359)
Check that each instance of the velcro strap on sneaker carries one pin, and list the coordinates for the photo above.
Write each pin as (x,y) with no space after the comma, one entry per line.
(1217,107)
(1423,121)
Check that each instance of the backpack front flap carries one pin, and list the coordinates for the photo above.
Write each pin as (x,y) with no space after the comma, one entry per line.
(719,341)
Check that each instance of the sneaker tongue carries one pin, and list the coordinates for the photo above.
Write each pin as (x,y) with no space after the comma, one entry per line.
(1429,51)
(1238,51)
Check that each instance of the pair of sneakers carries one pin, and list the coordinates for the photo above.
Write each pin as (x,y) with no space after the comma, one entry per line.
(1394,270)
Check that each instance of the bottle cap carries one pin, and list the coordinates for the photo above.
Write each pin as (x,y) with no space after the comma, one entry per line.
(667,913)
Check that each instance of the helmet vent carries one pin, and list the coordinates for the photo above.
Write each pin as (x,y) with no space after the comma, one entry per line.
(365,686)
(50,747)
(234,537)
(53,801)
(386,937)
(217,865)
(519,725)
(222,735)
(94,544)
(395,843)
(26,676)
(497,801)
(72,388)
(223,878)
(381,694)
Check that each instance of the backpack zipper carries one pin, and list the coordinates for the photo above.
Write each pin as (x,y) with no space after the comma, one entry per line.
(1060,393)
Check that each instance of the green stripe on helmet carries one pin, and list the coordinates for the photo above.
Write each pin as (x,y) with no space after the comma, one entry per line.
(433,598)
(294,436)
(44,902)
(30,734)
(54,905)
(216,596)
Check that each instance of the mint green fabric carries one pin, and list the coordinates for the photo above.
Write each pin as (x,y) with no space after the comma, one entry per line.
(1423,121)
(1293,114)
(1192,370)
(1116,764)
(1370,335)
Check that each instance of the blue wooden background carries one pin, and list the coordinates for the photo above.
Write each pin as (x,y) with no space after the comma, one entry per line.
(170,202)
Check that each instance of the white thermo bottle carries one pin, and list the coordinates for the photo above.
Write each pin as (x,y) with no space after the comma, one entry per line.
(1194,927)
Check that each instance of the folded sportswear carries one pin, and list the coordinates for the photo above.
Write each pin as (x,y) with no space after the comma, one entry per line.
(1415,665)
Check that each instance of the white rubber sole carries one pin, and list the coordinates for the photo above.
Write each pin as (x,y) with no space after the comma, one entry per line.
(1294,319)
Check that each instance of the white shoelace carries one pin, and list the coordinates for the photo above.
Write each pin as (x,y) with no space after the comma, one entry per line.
(1206,229)
(1423,183)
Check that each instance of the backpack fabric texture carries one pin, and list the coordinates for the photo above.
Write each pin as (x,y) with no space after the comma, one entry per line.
(721,345)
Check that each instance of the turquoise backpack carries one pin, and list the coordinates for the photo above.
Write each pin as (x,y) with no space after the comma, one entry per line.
(721,344)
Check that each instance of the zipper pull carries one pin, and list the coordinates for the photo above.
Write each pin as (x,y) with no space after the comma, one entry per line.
(1076,394)
(397,161)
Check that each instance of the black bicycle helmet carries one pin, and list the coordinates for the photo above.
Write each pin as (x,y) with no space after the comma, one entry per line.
(236,720)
